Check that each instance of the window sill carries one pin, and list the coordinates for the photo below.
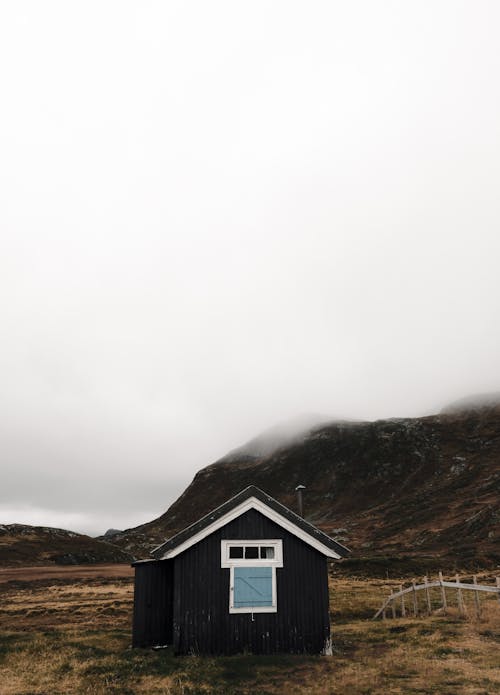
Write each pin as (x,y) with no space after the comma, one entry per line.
(257,609)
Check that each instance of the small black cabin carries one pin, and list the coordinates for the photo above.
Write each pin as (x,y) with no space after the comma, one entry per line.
(249,576)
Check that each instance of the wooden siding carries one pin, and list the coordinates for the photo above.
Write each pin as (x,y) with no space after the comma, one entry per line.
(202,623)
(153,600)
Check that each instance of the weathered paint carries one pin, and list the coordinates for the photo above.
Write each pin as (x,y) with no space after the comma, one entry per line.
(202,623)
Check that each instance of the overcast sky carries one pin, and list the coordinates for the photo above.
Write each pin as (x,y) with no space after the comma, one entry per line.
(216,216)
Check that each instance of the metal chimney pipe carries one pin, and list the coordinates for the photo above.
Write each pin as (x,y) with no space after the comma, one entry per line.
(300,502)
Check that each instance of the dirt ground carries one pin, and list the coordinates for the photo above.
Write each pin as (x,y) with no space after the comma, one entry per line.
(66,572)
(44,598)
(68,630)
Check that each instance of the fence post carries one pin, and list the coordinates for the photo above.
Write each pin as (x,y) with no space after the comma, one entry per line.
(460,598)
(403,607)
(428,596)
(393,607)
(443,593)
(415,602)
(476,599)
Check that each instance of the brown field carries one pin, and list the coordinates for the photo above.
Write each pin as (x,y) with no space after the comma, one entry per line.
(67,630)
(66,572)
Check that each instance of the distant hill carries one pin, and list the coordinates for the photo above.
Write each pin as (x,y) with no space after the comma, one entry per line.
(40,545)
(415,488)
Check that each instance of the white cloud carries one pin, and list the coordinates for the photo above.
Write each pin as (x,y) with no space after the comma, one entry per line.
(215,216)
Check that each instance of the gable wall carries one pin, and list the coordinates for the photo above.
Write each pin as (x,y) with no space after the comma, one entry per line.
(202,622)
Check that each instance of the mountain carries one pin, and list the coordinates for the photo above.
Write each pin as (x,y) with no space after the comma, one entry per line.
(41,545)
(420,488)
(277,437)
(476,402)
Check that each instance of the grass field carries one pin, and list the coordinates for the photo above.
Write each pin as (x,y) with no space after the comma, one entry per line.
(69,632)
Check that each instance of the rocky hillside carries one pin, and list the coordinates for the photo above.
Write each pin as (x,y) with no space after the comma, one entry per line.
(39,545)
(401,488)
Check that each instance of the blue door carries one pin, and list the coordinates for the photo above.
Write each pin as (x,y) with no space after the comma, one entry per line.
(253,587)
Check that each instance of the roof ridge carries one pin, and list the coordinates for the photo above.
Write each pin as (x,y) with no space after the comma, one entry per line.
(304,528)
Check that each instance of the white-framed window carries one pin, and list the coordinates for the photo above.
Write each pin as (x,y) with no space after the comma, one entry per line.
(252,574)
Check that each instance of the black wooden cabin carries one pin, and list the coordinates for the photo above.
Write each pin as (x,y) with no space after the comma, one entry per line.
(250,576)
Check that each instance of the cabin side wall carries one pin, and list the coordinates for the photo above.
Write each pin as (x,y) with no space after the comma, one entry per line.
(202,622)
(153,604)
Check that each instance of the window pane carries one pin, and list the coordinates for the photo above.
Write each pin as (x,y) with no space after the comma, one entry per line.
(267,553)
(236,551)
(253,587)
(251,552)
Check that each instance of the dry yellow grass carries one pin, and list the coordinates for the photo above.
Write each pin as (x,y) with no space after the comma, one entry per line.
(73,636)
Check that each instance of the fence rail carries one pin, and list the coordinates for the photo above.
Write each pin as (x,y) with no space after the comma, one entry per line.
(426,586)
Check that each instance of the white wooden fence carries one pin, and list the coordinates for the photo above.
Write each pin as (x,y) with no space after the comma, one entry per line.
(398,599)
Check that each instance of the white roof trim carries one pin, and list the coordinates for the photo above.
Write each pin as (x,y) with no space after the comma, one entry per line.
(252,503)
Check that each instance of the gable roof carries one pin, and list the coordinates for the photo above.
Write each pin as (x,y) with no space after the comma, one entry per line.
(250,498)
